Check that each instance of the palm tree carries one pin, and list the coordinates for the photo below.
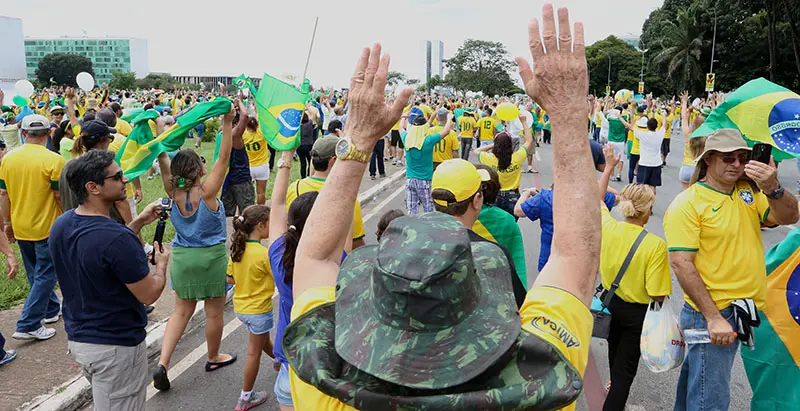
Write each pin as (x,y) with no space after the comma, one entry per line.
(684,41)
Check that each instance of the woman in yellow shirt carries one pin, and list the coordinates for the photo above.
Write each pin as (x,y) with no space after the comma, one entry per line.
(508,164)
(258,154)
(694,146)
(647,277)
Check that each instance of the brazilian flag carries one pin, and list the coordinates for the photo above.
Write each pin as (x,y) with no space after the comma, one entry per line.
(500,227)
(141,147)
(763,112)
(280,109)
(773,368)
(242,82)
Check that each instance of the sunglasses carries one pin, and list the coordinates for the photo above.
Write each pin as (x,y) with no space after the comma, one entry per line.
(730,158)
(118,176)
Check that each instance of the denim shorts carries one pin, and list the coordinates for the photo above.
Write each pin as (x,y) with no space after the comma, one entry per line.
(257,323)
(283,388)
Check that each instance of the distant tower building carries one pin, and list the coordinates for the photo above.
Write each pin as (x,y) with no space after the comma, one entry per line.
(427,61)
(438,58)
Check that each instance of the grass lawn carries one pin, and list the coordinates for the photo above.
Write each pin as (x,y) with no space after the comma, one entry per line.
(14,292)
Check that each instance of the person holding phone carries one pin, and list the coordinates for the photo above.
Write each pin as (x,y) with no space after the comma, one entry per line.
(713,232)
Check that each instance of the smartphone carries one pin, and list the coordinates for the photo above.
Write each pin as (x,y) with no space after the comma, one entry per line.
(761,153)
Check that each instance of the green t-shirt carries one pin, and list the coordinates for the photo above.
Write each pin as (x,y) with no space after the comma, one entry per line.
(66,145)
(617,133)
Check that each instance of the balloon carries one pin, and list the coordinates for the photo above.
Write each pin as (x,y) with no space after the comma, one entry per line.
(638,98)
(24,88)
(85,81)
(20,101)
(623,96)
(458,112)
(507,111)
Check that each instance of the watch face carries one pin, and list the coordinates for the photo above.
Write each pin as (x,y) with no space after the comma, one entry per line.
(342,148)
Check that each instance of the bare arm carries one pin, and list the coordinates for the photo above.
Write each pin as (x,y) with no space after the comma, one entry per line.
(781,211)
(278,213)
(166,173)
(560,86)
(611,162)
(319,253)
(148,289)
(527,132)
(213,183)
(685,114)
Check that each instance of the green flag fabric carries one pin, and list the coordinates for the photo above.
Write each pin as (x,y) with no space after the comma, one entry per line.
(498,226)
(280,109)
(141,148)
(763,112)
(773,367)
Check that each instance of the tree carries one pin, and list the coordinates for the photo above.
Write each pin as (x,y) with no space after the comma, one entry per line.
(122,81)
(432,83)
(684,44)
(395,77)
(412,81)
(61,69)
(480,65)
(625,65)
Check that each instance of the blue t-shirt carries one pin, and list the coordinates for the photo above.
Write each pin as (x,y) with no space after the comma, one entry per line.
(94,257)
(540,207)
(419,163)
(286,297)
(597,153)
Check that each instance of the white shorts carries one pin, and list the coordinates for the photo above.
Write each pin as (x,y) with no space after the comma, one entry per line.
(619,148)
(260,173)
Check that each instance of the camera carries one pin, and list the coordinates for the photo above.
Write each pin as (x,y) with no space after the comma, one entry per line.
(166,205)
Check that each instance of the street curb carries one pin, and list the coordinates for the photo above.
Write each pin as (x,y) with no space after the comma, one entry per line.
(76,392)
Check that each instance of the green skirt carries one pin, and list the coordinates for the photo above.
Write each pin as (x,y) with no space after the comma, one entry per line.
(199,273)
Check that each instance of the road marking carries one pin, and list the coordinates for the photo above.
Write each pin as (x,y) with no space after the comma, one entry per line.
(198,353)
(383,203)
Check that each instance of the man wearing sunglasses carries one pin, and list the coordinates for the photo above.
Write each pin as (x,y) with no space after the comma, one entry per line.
(713,232)
(105,280)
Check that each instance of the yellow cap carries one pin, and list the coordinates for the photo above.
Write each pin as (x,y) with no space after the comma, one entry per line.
(459,177)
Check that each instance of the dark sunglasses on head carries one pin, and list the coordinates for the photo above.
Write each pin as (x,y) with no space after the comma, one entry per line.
(730,158)
(118,176)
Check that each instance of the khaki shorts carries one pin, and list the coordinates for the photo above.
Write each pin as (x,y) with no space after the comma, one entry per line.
(118,374)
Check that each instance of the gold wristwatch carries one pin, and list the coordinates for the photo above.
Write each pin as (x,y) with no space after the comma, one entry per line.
(346,150)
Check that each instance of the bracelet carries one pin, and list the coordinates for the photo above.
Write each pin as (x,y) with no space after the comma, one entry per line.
(6,223)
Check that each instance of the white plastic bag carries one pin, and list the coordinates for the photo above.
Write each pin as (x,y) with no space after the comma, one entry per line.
(662,344)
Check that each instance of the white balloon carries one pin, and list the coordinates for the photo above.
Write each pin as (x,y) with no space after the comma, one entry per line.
(85,81)
(24,88)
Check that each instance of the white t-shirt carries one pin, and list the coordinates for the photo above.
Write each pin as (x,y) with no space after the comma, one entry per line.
(514,128)
(649,146)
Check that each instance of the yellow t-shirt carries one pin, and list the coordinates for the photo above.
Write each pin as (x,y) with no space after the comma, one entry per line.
(30,174)
(688,158)
(724,231)
(486,128)
(123,127)
(668,129)
(467,126)
(635,147)
(254,283)
(648,272)
(554,315)
(396,126)
(509,178)
(298,187)
(256,146)
(445,147)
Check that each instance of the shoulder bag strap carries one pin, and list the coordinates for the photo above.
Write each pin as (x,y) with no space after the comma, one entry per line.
(624,267)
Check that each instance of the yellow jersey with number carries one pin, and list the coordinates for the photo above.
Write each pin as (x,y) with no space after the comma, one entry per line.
(486,127)
(467,125)
(724,232)
(256,146)
(445,147)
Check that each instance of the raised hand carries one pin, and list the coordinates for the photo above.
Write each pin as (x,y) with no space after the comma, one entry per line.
(685,98)
(559,83)
(370,117)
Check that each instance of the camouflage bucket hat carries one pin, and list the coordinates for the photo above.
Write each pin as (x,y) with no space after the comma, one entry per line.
(427,321)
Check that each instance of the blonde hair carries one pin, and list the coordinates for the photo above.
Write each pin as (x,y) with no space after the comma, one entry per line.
(636,200)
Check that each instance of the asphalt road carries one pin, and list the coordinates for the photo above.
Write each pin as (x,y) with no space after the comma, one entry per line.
(195,389)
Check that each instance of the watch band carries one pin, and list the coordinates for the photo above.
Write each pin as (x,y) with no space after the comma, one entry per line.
(777,194)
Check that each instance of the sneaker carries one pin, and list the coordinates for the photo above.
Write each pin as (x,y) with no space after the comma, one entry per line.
(160,379)
(53,319)
(10,356)
(371,177)
(149,177)
(41,334)
(257,398)
(383,175)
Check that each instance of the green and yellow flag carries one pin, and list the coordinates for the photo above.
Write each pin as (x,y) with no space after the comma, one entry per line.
(141,148)
(763,112)
(280,109)
(243,82)
(773,368)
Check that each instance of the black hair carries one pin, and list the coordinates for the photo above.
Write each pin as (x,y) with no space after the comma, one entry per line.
(148,106)
(305,118)
(86,168)
(625,106)
(89,115)
(244,225)
(452,208)
(387,218)
(59,133)
(252,123)
(334,125)
(488,111)
(491,188)
(503,149)
(320,164)
(115,107)
(127,95)
(187,165)
(296,218)
(419,121)
(652,124)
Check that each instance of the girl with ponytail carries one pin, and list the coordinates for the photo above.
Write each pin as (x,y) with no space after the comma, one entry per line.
(249,269)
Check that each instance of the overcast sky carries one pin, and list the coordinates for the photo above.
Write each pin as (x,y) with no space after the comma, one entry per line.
(257,36)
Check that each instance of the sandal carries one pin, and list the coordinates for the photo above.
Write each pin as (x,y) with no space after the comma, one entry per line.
(213,366)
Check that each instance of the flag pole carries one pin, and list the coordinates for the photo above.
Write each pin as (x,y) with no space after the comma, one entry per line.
(310,47)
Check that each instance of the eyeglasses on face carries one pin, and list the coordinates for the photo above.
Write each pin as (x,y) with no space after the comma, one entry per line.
(731,158)
(118,176)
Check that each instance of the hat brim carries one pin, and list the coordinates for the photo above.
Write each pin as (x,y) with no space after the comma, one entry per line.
(425,360)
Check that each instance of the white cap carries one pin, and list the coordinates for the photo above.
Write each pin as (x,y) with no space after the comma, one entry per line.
(35,122)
